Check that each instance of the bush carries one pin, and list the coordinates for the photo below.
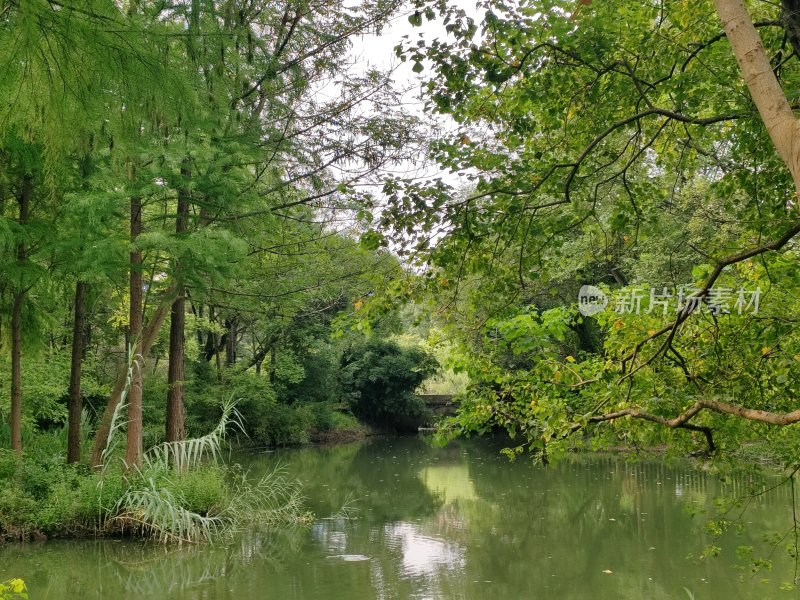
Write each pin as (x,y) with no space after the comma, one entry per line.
(255,399)
(322,416)
(283,425)
(379,377)
(319,383)
(201,490)
(95,496)
(8,463)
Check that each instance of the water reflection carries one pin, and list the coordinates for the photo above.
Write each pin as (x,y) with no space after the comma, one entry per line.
(454,523)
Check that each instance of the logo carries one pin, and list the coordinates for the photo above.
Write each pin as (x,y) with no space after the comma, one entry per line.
(591,300)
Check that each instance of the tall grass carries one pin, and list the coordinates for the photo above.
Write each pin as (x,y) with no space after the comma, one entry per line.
(186,454)
(275,499)
(154,511)
(150,508)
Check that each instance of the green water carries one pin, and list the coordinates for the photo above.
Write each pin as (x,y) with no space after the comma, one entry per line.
(454,523)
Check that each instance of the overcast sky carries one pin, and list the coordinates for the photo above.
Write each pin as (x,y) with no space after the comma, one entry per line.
(378,51)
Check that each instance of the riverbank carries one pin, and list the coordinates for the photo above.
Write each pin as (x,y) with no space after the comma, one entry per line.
(180,492)
(44,498)
(41,497)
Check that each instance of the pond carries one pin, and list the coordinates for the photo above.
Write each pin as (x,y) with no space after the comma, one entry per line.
(397,519)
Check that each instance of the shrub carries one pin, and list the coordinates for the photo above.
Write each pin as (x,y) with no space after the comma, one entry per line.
(379,378)
(8,463)
(202,491)
(322,416)
(253,393)
(282,425)
(95,496)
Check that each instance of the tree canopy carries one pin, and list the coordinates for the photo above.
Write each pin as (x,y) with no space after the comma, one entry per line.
(646,149)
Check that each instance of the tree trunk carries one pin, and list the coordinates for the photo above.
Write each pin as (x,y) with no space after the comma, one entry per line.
(175,405)
(230,345)
(273,355)
(765,89)
(16,373)
(133,453)
(199,313)
(16,325)
(142,349)
(75,404)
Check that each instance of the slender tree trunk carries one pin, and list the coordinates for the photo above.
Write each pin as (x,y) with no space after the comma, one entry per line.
(230,345)
(142,349)
(16,325)
(272,360)
(175,405)
(199,313)
(16,372)
(133,454)
(75,403)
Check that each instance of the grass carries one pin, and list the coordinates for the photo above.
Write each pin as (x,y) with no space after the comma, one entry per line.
(182,494)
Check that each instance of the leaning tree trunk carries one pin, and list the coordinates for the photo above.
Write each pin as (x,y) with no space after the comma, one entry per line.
(773,106)
(133,453)
(175,428)
(75,404)
(26,190)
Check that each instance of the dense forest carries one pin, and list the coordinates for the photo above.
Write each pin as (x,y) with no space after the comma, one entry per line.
(184,192)
(217,225)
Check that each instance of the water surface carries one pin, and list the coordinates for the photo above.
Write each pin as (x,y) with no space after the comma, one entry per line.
(455,523)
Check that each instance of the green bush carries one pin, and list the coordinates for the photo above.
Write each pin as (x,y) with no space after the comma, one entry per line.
(8,463)
(37,478)
(203,491)
(18,510)
(96,495)
(322,416)
(319,383)
(283,425)
(253,393)
(379,377)
(343,420)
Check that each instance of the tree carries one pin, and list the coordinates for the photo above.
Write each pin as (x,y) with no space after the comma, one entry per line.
(75,399)
(379,378)
(184,133)
(578,130)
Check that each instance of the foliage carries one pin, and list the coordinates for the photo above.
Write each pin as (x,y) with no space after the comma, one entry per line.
(183,494)
(186,454)
(213,125)
(380,378)
(571,182)
(13,589)
(282,425)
